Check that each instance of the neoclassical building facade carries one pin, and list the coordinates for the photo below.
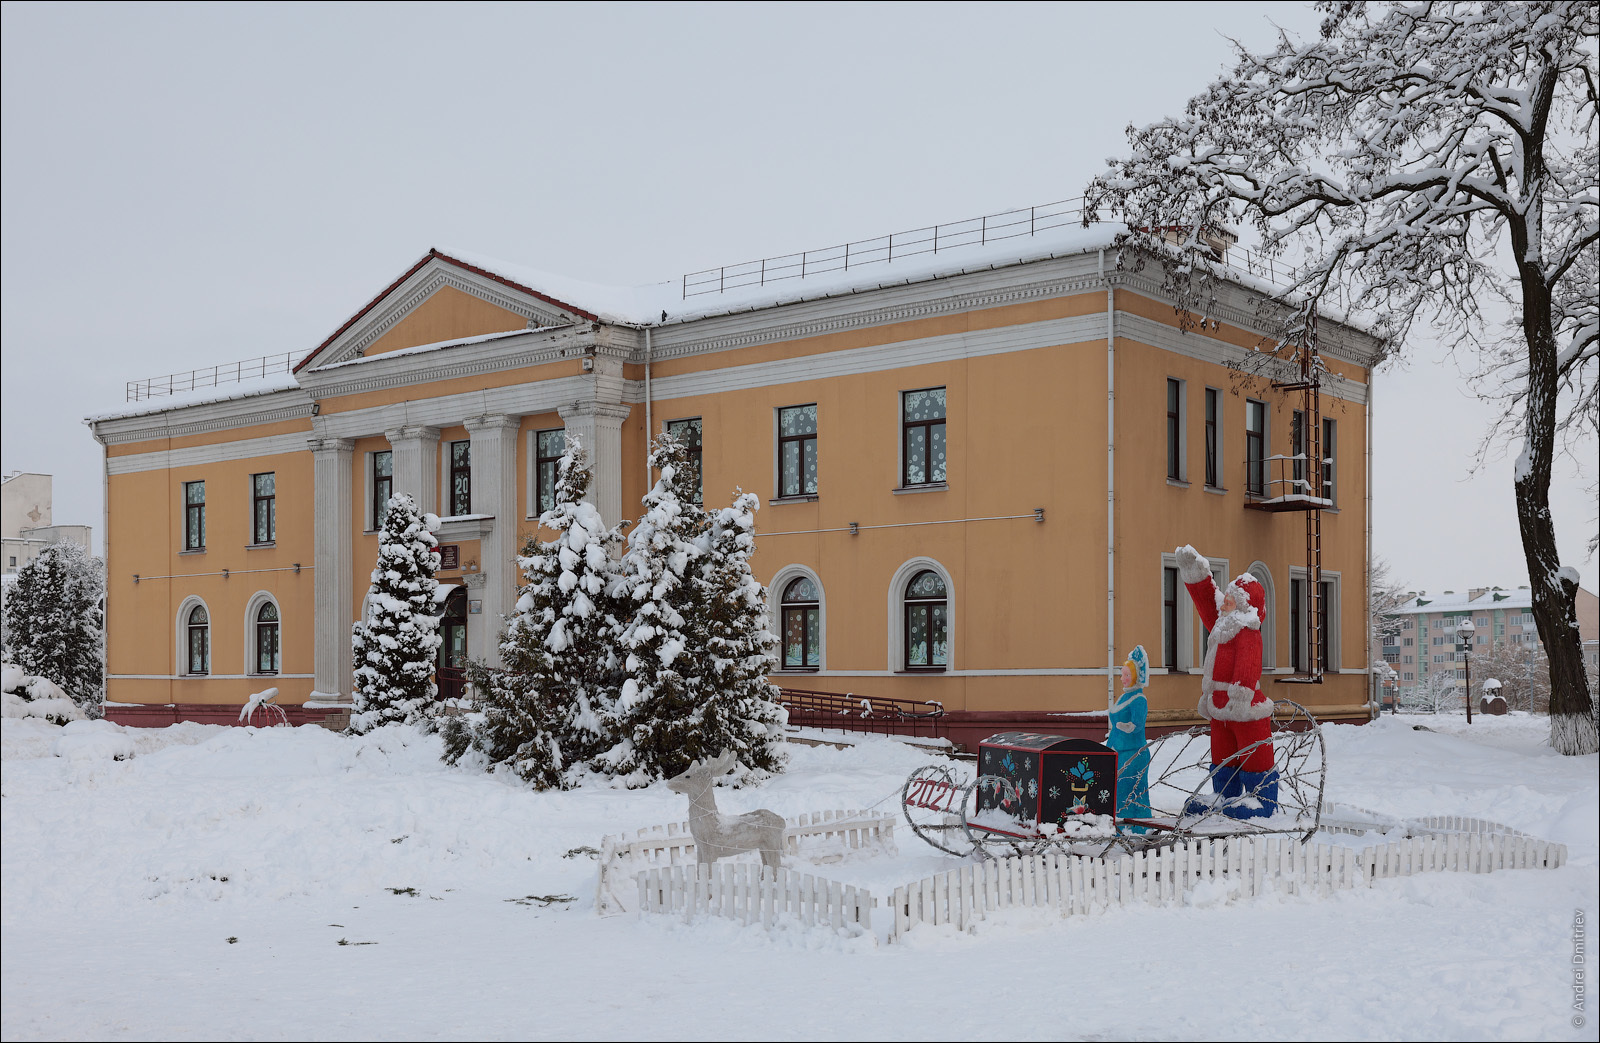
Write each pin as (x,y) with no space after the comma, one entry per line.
(974,470)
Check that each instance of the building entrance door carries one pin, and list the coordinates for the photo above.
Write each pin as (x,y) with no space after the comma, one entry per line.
(452,669)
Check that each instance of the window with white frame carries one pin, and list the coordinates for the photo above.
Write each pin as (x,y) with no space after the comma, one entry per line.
(268,657)
(194,640)
(797,615)
(1326,631)
(921,618)
(797,451)
(923,456)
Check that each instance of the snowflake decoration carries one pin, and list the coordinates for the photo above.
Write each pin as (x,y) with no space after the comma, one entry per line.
(1027,764)
(1055,792)
(1105,794)
(988,756)
(1033,789)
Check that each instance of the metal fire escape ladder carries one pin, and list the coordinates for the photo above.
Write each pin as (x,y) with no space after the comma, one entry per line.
(1309,386)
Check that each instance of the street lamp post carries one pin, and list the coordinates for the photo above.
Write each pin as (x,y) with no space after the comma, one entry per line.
(1465,631)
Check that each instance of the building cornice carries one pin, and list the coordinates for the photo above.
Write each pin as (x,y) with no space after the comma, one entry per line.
(381,373)
(205,417)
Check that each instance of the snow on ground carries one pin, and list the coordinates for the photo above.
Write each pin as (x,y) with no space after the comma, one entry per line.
(238,883)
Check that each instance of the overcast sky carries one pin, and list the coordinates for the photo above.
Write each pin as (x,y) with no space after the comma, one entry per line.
(186,186)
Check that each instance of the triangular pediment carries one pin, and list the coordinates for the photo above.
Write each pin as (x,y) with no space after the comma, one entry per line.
(439,299)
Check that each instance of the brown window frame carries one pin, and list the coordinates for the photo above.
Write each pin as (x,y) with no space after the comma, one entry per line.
(194,516)
(382,487)
(806,610)
(263,509)
(927,426)
(269,640)
(1330,442)
(1174,429)
(925,604)
(202,632)
(460,477)
(806,443)
(1255,447)
(1169,617)
(546,469)
(694,447)
(1213,428)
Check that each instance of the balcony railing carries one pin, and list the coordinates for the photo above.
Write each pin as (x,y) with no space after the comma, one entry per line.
(1283,483)
(858,713)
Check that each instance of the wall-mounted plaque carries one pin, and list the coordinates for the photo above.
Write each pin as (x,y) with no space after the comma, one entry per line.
(449,558)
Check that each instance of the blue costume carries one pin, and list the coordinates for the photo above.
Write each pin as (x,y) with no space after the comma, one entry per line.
(1126,736)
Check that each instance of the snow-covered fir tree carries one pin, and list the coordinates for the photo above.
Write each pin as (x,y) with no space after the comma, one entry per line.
(547,714)
(739,709)
(395,652)
(690,660)
(56,622)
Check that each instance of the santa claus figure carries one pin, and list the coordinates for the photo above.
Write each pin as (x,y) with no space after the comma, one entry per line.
(1230,690)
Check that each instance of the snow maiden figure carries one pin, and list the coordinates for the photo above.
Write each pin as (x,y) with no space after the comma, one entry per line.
(1126,736)
(1230,690)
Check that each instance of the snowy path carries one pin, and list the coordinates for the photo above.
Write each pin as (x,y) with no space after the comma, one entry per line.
(116,918)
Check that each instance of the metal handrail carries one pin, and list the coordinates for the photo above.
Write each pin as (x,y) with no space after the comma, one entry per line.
(931,239)
(211,376)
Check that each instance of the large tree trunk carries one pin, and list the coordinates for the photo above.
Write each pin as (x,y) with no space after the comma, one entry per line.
(1572,719)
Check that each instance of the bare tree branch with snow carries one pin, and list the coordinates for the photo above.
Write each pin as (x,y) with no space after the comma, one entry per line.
(1420,159)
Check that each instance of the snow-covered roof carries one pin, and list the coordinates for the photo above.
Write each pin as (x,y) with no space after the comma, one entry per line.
(1521,598)
(644,305)
(251,387)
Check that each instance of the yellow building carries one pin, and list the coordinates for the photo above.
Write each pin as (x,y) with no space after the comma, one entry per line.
(975,465)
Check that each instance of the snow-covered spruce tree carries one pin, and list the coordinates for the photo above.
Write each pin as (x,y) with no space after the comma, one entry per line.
(57,625)
(692,654)
(1425,157)
(739,701)
(547,714)
(395,653)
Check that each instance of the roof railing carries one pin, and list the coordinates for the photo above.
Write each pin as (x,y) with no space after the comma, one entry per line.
(211,376)
(933,239)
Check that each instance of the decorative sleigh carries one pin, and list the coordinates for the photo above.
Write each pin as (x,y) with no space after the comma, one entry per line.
(1034,792)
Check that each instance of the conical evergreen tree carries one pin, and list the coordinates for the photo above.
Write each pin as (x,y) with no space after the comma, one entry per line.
(547,713)
(738,711)
(696,649)
(56,623)
(396,652)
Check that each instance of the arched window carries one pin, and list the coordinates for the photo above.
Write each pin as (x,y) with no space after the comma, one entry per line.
(199,641)
(1269,626)
(269,653)
(927,630)
(802,625)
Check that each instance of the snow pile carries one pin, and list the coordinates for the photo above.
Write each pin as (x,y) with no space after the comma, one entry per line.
(94,741)
(27,695)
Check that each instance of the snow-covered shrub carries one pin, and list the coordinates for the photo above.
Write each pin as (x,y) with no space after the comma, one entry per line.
(29,696)
(56,623)
(546,713)
(94,741)
(395,652)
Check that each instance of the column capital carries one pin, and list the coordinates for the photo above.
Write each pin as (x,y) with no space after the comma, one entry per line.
(332,445)
(412,433)
(598,410)
(491,422)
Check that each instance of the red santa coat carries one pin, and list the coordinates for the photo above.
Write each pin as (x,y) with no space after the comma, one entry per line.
(1230,688)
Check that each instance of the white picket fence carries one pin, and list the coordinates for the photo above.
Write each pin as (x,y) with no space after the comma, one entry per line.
(753,894)
(818,836)
(1078,884)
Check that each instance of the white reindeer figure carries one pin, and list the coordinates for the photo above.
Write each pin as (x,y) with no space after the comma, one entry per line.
(717,835)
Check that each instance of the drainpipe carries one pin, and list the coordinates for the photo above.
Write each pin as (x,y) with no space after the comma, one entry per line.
(648,352)
(1111,486)
(1373,704)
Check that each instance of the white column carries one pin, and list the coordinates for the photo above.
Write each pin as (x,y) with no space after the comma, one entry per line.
(494,491)
(334,504)
(416,464)
(598,426)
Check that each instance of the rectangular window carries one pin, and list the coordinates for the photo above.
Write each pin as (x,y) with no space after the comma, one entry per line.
(1324,600)
(264,506)
(1169,618)
(1213,430)
(1175,429)
(688,432)
(797,451)
(1410,641)
(1410,676)
(1255,447)
(1330,441)
(460,478)
(922,441)
(382,486)
(1297,449)
(1297,640)
(194,515)
(548,448)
